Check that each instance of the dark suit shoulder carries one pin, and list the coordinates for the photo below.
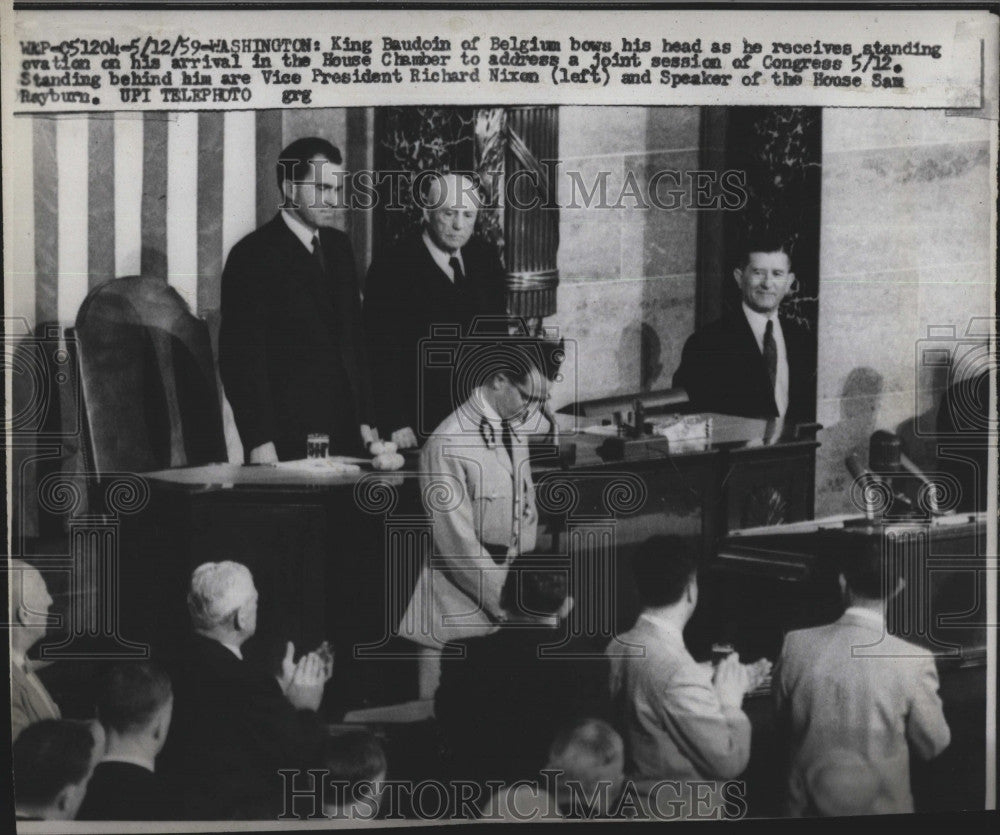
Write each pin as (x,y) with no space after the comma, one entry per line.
(389,265)
(125,791)
(335,238)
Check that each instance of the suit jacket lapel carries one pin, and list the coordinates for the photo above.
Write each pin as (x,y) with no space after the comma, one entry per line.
(301,267)
(430,268)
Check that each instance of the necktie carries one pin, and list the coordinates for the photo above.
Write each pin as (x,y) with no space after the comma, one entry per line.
(457,271)
(318,252)
(505,436)
(770,352)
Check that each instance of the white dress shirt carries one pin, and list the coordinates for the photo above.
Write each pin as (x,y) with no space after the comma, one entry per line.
(142,762)
(234,649)
(442,258)
(664,625)
(876,618)
(758,324)
(299,229)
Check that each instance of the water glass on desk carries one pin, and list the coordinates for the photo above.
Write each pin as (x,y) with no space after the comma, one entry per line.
(317,445)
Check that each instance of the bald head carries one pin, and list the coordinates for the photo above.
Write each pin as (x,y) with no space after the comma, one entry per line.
(30,602)
(451,204)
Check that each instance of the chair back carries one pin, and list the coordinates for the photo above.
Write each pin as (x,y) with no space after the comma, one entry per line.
(147,379)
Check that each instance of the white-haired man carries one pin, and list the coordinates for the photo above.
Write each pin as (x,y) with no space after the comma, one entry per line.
(235,725)
(30,702)
(438,275)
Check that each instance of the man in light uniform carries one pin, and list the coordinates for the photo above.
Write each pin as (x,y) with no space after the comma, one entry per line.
(477,488)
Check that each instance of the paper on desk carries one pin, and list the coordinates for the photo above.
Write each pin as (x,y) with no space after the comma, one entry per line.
(341,464)
(606,431)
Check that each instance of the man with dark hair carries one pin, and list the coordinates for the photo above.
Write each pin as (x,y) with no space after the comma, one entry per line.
(856,702)
(439,275)
(134,705)
(53,760)
(355,770)
(478,457)
(751,362)
(680,722)
(291,347)
(499,703)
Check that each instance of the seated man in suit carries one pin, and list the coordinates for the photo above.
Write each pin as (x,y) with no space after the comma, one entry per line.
(236,725)
(751,362)
(134,706)
(291,349)
(853,699)
(53,761)
(679,721)
(355,771)
(29,700)
(440,275)
(526,694)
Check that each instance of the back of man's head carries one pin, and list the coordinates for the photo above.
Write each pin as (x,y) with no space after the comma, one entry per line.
(355,762)
(591,756)
(52,763)
(543,592)
(218,590)
(663,566)
(132,696)
(869,573)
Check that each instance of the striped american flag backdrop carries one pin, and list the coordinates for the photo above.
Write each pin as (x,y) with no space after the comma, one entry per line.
(156,193)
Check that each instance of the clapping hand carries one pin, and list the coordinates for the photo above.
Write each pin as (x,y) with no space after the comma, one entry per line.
(303,681)
(325,653)
(759,672)
(732,680)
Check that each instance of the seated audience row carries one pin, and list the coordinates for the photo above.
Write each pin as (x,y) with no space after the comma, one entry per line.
(850,720)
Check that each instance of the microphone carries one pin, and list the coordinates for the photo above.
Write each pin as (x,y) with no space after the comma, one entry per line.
(930,491)
(884,451)
(866,479)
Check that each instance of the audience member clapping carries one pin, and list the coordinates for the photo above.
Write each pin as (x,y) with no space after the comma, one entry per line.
(235,725)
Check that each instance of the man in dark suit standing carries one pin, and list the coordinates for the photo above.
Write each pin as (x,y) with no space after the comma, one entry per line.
(235,726)
(134,707)
(750,362)
(440,275)
(291,351)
